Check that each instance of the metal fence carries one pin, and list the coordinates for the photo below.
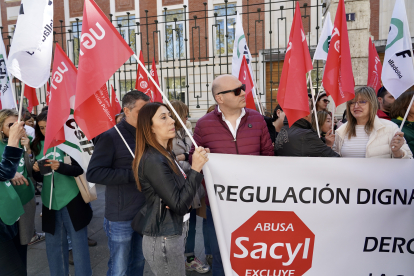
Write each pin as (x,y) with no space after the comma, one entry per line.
(191,47)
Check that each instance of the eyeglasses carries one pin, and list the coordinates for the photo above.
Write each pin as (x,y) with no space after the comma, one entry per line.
(360,103)
(237,91)
(326,101)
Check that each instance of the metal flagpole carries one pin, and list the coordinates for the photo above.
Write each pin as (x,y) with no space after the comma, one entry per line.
(313,101)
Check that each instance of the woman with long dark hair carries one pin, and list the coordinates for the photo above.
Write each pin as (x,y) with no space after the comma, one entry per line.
(68,213)
(168,190)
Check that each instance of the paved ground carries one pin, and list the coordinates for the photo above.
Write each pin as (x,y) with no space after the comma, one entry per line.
(37,260)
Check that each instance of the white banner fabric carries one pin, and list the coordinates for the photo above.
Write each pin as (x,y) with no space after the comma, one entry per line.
(285,216)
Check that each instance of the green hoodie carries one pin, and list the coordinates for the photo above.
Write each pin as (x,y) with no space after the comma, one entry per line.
(408,130)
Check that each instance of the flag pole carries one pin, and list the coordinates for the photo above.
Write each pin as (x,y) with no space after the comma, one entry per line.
(333,116)
(21,103)
(123,139)
(314,105)
(13,91)
(51,182)
(167,101)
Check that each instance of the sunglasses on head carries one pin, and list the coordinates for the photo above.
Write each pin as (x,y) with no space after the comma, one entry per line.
(237,91)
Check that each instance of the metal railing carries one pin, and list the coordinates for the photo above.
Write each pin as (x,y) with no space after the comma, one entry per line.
(191,47)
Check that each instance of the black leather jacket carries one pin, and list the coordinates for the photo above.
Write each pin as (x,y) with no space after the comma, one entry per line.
(162,187)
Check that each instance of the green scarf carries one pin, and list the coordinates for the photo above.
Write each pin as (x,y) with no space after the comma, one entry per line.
(64,187)
(26,193)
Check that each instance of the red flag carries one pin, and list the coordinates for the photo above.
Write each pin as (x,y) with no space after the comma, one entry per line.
(47,92)
(338,78)
(62,86)
(246,78)
(141,83)
(116,107)
(30,94)
(374,68)
(102,52)
(155,94)
(293,93)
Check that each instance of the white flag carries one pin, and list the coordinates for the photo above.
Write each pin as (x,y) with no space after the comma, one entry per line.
(321,52)
(7,99)
(398,69)
(31,50)
(240,48)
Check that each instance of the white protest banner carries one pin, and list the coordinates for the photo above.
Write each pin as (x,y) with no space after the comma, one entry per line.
(286,216)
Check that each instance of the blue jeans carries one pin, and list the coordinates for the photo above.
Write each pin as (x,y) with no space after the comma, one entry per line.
(57,247)
(190,243)
(206,236)
(217,269)
(125,249)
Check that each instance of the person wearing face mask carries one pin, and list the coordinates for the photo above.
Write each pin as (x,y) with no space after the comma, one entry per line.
(367,136)
(325,127)
(168,190)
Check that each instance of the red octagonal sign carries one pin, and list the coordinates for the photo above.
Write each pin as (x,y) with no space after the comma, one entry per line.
(272,243)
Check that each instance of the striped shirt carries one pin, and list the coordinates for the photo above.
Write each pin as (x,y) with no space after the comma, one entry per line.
(356,146)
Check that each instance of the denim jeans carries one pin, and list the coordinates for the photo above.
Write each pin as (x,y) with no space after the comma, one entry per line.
(125,249)
(206,237)
(190,242)
(13,257)
(165,254)
(57,247)
(217,269)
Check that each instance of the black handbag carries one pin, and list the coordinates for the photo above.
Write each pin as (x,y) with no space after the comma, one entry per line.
(138,222)
(8,232)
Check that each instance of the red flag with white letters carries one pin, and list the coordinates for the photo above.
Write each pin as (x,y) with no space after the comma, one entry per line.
(293,92)
(155,94)
(30,94)
(246,79)
(116,107)
(102,51)
(141,83)
(62,86)
(338,79)
(374,68)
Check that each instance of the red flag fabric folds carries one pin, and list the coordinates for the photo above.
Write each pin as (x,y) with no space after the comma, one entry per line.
(338,79)
(102,52)
(30,94)
(374,68)
(293,93)
(47,92)
(62,86)
(246,79)
(116,107)
(155,94)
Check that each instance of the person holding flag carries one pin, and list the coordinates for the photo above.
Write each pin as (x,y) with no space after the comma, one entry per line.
(17,202)
(111,165)
(240,131)
(68,215)
(365,135)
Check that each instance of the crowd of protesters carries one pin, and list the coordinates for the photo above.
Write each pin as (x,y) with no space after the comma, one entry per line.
(153,173)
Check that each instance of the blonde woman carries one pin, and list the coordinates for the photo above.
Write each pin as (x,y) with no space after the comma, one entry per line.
(367,136)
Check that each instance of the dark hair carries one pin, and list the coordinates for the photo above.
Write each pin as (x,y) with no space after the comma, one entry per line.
(182,110)
(382,92)
(45,108)
(323,94)
(131,97)
(400,105)
(275,117)
(146,138)
(36,145)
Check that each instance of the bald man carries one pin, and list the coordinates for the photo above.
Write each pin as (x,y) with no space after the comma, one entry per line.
(231,129)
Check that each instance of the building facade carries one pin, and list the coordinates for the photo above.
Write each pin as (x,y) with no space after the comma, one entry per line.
(192,41)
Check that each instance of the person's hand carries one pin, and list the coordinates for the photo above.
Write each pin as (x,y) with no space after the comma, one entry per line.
(36,167)
(25,141)
(207,150)
(199,159)
(180,157)
(16,133)
(330,138)
(396,143)
(54,164)
(19,179)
